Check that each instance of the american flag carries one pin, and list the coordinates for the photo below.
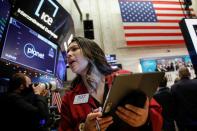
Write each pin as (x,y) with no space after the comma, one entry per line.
(56,100)
(152,22)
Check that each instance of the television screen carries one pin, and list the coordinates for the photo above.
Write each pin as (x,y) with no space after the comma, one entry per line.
(26,47)
(166,64)
(61,67)
(148,65)
(189,30)
(4,15)
(111,58)
(192,27)
(171,63)
(187,61)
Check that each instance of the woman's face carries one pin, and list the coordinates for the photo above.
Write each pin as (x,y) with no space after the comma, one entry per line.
(76,60)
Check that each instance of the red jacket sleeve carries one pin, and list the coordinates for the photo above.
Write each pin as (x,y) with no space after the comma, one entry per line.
(66,122)
(155,115)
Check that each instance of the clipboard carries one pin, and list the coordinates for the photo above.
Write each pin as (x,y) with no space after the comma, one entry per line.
(125,83)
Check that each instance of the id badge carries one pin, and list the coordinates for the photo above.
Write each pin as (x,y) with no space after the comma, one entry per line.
(80,99)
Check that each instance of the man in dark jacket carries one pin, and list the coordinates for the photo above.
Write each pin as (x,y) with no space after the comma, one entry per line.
(20,114)
(184,94)
(164,98)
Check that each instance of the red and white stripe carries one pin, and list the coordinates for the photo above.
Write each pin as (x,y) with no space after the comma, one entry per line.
(56,100)
(164,32)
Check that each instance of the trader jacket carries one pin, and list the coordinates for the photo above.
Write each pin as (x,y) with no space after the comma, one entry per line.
(74,115)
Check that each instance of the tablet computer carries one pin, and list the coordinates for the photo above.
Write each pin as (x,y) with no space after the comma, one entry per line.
(125,83)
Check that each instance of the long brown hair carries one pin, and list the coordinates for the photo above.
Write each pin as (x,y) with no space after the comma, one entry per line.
(93,52)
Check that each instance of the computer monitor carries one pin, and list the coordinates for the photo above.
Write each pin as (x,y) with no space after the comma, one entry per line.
(111,58)
(24,46)
(4,16)
(189,29)
(148,65)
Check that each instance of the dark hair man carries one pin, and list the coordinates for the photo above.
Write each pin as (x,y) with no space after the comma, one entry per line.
(184,94)
(163,96)
(20,114)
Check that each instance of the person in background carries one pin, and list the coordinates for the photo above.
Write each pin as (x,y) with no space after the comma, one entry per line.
(29,95)
(21,114)
(80,106)
(176,79)
(163,96)
(184,94)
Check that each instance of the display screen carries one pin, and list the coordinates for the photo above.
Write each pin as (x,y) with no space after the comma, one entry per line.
(188,28)
(4,15)
(26,47)
(61,67)
(187,61)
(47,17)
(165,64)
(172,63)
(111,58)
(148,65)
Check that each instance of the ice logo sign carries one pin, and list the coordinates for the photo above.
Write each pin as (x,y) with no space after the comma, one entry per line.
(43,15)
(30,51)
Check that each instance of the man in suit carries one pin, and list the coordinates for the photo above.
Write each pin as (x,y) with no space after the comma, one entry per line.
(164,98)
(184,94)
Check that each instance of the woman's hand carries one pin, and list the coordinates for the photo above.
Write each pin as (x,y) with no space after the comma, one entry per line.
(90,123)
(133,115)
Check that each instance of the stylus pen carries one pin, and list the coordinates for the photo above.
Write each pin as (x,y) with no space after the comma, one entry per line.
(97,123)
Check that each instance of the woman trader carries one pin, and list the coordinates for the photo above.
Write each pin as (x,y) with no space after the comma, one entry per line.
(88,92)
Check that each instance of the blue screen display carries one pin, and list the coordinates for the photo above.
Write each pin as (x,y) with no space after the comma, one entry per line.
(148,65)
(171,63)
(61,67)
(4,15)
(187,60)
(26,47)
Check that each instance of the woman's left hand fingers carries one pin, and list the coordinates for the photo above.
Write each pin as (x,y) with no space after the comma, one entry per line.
(105,122)
(138,110)
(133,115)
